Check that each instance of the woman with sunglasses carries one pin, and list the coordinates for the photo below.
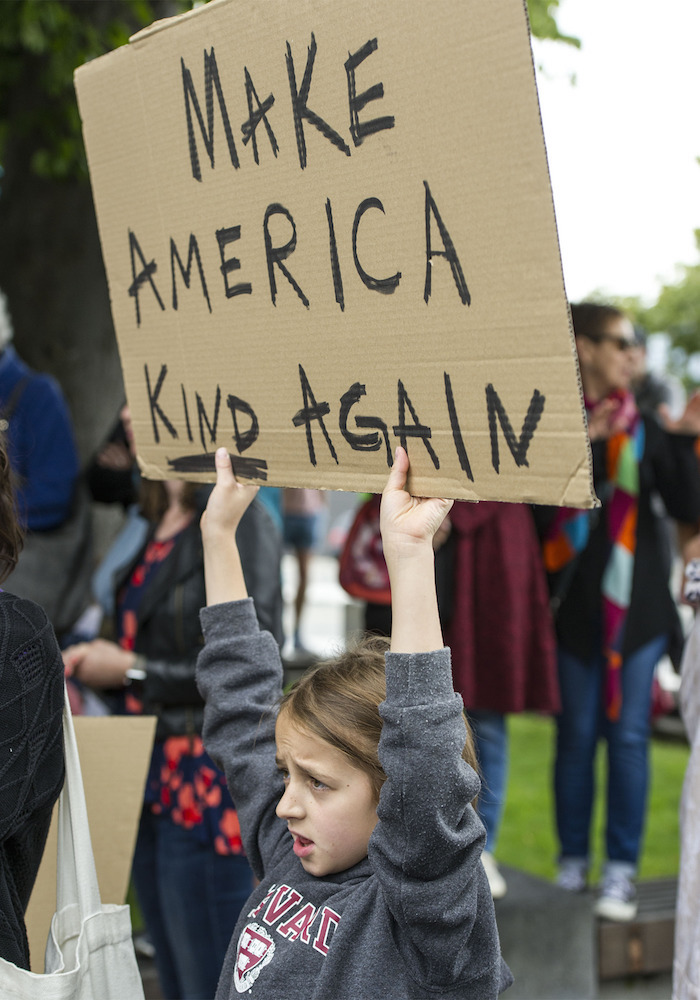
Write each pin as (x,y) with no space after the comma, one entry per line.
(613,607)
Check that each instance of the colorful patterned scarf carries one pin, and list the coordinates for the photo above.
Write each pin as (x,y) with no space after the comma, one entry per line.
(569,533)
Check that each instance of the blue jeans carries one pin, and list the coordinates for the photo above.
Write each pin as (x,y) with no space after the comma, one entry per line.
(491,738)
(581,723)
(190,898)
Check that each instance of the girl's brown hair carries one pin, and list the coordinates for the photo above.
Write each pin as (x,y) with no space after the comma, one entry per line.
(10,532)
(338,701)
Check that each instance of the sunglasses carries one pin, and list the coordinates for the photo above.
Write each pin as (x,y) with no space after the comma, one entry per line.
(620,342)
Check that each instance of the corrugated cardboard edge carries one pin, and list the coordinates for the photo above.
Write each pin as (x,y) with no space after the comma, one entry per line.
(575,476)
(167,22)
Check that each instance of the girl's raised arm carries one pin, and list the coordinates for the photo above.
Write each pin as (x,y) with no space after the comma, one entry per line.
(408,524)
(227,504)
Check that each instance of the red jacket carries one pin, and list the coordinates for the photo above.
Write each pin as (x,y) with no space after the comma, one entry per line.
(500,630)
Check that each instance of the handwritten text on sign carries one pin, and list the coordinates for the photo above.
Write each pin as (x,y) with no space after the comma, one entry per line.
(375,430)
(328,235)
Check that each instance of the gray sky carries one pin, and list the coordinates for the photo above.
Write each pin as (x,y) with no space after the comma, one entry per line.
(622,143)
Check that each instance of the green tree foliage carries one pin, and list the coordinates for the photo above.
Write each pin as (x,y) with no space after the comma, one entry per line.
(676,313)
(41,44)
(543,22)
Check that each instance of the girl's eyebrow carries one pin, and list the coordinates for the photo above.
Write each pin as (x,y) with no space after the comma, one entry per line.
(315,773)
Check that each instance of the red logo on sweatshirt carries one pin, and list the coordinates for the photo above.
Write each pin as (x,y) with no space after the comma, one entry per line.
(255,950)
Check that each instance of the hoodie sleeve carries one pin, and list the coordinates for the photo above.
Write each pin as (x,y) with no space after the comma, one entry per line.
(426,848)
(239,674)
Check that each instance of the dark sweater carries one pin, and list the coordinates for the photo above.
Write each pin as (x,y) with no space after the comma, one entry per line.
(31,759)
(413,919)
(168,634)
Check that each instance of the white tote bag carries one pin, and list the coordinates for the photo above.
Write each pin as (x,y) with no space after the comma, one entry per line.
(89,953)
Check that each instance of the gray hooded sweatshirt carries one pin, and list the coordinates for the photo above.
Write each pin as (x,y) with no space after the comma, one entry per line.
(415,918)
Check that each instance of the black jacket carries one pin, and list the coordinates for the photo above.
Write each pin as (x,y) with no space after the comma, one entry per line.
(168,633)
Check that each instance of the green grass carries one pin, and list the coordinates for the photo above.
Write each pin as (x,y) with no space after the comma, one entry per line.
(527,840)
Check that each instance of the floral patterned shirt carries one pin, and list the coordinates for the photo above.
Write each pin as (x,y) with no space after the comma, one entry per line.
(183,782)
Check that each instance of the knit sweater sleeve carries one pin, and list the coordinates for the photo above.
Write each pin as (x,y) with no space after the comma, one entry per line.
(426,848)
(31,759)
(239,674)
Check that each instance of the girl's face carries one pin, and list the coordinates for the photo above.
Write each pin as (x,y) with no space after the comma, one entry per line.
(607,363)
(328,803)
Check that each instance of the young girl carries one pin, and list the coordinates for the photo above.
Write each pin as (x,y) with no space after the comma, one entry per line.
(367,848)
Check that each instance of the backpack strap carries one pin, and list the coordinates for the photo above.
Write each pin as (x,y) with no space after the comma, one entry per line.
(10,406)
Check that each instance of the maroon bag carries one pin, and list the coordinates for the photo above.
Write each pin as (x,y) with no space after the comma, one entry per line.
(363,573)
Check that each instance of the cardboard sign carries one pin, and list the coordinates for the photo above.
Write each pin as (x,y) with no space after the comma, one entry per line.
(328,229)
(115,752)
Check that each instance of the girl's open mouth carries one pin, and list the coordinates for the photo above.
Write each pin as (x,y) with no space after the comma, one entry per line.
(302,846)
